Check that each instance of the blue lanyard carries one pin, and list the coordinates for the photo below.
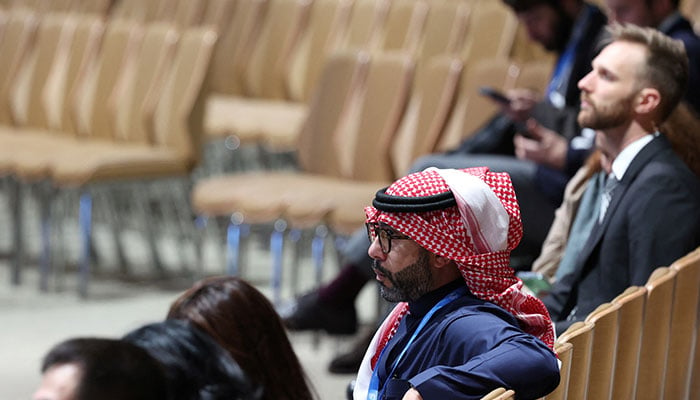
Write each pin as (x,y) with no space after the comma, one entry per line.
(374,392)
(562,70)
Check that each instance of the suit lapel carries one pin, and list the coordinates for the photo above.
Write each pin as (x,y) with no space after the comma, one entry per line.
(650,151)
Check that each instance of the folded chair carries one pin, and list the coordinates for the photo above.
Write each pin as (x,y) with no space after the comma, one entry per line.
(656,334)
(580,335)
(429,108)
(564,351)
(603,350)
(472,109)
(263,78)
(684,325)
(631,318)
(371,105)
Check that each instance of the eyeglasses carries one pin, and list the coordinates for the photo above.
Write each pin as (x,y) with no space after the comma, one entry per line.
(385,233)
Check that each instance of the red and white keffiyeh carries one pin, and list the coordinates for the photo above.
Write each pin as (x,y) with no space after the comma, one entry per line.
(478,234)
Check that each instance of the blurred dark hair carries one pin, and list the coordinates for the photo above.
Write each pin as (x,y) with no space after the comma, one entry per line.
(682,128)
(112,369)
(246,324)
(525,5)
(196,367)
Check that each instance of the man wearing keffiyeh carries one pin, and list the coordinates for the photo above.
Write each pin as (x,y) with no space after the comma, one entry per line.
(441,241)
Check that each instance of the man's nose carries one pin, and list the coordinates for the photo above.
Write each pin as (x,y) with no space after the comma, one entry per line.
(375,250)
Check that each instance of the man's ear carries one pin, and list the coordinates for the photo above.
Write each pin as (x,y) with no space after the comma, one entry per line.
(647,101)
(440,261)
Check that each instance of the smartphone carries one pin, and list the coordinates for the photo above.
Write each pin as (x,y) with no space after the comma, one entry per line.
(494,94)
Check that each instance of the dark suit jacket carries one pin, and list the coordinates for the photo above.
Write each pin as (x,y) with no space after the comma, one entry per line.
(652,220)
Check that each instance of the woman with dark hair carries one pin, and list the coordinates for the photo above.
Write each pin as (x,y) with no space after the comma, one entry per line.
(246,324)
(196,367)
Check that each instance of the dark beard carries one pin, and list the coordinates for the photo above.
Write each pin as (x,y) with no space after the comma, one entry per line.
(410,283)
(606,118)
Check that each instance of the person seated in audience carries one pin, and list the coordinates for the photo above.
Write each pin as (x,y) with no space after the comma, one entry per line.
(97,368)
(577,213)
(665,16)
(649,213)
(196,367)
(244,322)
(441,242)
(571,29)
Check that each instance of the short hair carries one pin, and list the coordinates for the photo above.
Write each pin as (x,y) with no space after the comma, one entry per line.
(196,367)
(111,369)
(666,66)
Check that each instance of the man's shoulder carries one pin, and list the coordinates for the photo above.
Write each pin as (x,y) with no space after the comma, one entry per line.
(472,310)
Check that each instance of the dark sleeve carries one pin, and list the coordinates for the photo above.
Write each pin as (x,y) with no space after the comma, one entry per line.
(506,357)
(664,220)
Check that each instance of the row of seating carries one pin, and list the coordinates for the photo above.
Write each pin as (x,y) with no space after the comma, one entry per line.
(370,117)
(63,81)
(88,104)
(641,345)
(271,62)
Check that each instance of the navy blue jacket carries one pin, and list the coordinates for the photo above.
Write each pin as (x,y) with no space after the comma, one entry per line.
(469,348)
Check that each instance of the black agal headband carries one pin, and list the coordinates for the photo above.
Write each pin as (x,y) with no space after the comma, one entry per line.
(390,203)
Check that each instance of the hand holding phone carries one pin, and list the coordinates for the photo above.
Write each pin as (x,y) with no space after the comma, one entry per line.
(494,95)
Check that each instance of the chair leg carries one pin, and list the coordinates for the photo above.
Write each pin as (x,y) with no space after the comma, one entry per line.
(85,222)
(200,224)
(318,252)
(235,231)
(277,250)
(46,192)
(295,237)
(15,199)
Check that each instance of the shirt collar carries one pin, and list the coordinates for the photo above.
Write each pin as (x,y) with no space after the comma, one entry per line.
(624,159)
(420,307)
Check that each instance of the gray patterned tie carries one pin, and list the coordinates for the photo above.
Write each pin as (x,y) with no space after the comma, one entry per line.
(610,184)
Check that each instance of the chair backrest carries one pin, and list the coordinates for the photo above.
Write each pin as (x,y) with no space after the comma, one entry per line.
(136,10)
(16,42)
(432,99)
(179,114)
(631,318)
(580,335)
(236,43)
(98,95)
(328,22)
(141,84)
(684,325)
(284,24)
(656,333)
(534,75)
(472,109)
(603,350)
(404,26)
(507,395)
(53,38)
(494,394)
(341,79)
(75,70)
(492,32)
(366,21)
(183,13)
(445,29)
(373,124)
(564,352)
(218,14)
